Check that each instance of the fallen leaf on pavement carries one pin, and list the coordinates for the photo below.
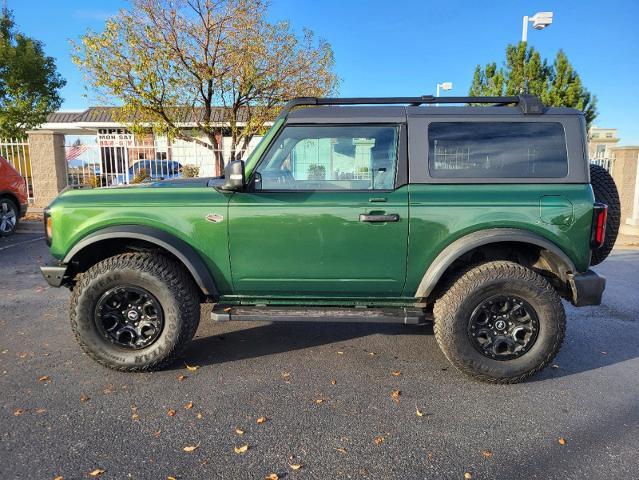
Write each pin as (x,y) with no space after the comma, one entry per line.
(157,433)
(181,378)
(286,376)
(487,453)
(319,400)
(199,416)
(296,466)
(372,353)
(430,455)
(59,477)
(396,373)
(341,450)
(19,411)
(340,353)
(333,382)
(272,476)
(378,440)
(562,441)
(191,448)
(171,478)
(44,378)
(395,395)
(261,420)
(239,431)
(97,472)
(241,449)
(554,365)
(84,398)
(192,368)
(468,475)
(189,406)
(171,412)
(40,411)
(418,412)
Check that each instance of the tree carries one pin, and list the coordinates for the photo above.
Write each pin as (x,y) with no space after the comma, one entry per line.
(166,61)
(29,82)
(524,71)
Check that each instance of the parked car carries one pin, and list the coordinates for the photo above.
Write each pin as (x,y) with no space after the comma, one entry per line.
(13,198)
(480,219)
(155,169)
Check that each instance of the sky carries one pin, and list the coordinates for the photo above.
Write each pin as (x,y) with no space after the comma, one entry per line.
(405,47)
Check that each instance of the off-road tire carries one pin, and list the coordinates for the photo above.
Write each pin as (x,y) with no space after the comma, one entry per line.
(606,192)
(453,309)
(12,207)
(164,278)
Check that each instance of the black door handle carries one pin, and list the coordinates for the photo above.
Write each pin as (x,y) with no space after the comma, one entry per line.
(391,217)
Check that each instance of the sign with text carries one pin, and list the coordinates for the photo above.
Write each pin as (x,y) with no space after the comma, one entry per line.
(115,139)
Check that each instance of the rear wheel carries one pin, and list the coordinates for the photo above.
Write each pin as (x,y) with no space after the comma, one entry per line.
(135,311)
(499,322)
(8,217)
(605,190)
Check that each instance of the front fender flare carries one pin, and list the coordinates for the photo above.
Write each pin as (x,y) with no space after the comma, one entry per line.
(484,237)
(179,248)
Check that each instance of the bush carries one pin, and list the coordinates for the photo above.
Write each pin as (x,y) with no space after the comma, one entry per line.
(140,176)
(316,172)
(190,171)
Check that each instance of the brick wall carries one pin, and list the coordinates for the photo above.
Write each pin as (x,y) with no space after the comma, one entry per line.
(48,165)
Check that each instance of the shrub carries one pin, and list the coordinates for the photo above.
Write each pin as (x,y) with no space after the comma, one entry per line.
(190,171)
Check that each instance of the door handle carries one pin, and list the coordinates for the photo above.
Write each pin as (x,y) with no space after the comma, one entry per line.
(391,217)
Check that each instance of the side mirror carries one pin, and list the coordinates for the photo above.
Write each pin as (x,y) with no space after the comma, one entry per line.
(234,179)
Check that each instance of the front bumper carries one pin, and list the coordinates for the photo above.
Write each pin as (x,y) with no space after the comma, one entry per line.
(587,288)
(23,210)
(54,274)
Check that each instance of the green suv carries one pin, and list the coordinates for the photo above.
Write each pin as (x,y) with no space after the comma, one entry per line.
(479,219)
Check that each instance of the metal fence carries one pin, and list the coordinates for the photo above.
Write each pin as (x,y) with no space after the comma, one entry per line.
(91,161)
(16,152)
(605,162)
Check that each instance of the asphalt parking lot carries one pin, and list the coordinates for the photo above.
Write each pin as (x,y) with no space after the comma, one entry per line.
(324,390)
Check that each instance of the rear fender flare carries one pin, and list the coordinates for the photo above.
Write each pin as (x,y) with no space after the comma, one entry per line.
(473,240)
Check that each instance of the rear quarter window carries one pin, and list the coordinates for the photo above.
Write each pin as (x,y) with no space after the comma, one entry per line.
(497,150)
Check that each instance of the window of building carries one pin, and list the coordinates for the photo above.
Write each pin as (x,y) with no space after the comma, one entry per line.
(342,157)
(608,135)
(497,150)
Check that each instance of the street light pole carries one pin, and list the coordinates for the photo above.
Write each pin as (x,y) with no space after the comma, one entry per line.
(540,20)
(444,86)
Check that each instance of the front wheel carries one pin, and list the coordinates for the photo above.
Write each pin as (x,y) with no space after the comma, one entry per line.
(135,311)
(500,322)
(8,217)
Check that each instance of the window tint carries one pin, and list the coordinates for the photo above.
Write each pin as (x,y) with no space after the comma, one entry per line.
(330,158)
(497,150)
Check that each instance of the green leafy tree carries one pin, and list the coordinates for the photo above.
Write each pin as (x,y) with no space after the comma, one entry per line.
(165,61)
(29,81)
(524,71)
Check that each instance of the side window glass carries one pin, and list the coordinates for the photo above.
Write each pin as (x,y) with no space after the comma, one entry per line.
(330,158)
(497,150)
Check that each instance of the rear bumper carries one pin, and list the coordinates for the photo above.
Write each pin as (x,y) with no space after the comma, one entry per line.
(54,274)
(587,288)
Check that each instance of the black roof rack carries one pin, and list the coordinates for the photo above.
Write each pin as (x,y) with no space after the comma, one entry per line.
(529,104)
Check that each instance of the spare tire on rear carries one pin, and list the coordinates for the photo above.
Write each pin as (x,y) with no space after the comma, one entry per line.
(606,192)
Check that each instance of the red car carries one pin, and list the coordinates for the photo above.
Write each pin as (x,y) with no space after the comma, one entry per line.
(13,198)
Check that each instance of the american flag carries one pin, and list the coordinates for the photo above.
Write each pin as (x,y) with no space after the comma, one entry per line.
(75,151)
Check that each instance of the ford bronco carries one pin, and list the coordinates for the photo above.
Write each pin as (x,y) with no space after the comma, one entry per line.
(478,217)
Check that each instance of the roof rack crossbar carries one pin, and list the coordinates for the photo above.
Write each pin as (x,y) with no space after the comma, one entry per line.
(529,104)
